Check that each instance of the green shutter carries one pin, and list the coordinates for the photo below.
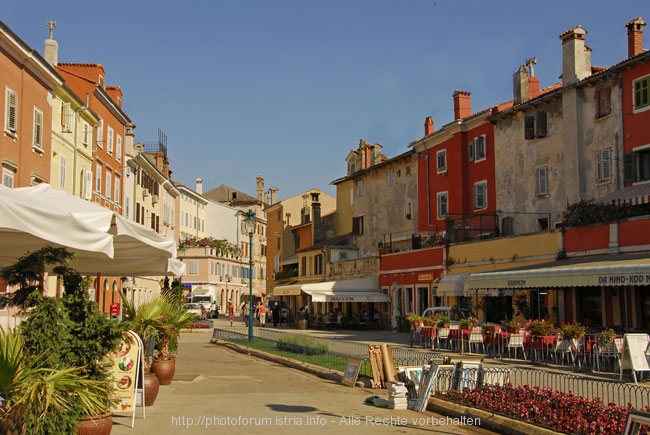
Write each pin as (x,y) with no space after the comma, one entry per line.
(628,167)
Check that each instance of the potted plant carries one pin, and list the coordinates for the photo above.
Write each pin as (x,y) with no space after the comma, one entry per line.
(70,333)
(444,322)
(572,331)
(414,319)
(539,328)
(468,323)
(606,337)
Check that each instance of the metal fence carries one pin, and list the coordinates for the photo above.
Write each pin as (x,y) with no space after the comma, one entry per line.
(461,375)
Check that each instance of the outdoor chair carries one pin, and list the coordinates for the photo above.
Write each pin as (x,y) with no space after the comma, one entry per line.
(442,336)
(476,338)
(609,356)
(562,350)
(515,342)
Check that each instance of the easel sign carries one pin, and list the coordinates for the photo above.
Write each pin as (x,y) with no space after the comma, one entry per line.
(427,385)
(127,370)
(636,354)
(351,372)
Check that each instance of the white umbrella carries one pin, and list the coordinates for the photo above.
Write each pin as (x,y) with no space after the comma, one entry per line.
(138,250)
(26,226)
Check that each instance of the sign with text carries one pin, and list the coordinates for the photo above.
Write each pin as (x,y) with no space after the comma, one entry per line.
(125,367)
(636,354)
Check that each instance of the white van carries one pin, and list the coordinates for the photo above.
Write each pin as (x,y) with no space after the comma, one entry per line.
(453,313)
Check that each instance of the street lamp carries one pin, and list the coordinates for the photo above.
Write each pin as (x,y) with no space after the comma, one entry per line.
(250,226)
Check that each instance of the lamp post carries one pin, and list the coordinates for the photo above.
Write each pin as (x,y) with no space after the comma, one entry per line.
(250,226)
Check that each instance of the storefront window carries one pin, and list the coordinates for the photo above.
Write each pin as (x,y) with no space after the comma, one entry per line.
(589,306)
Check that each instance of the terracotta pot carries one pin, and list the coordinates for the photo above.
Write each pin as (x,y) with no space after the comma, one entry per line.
(151,388)
(164,370)
(96,425)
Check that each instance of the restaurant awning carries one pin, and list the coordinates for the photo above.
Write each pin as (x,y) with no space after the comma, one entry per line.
(617,270)
(288,290)
(639,194)
(348,290)
(452,285)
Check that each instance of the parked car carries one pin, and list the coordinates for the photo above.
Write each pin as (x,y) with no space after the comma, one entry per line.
(197,309)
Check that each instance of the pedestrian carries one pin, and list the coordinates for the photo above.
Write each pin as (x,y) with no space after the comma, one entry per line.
(275,312)
(231,312)
(245,312)
(262,311)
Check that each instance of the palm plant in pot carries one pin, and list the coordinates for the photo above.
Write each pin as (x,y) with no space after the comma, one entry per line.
(67,334)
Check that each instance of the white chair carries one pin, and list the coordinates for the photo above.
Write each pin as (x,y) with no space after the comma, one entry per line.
(562,350)
(516,341)
(442,335)
(476,338)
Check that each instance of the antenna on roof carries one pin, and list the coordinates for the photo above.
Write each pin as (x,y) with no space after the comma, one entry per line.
(51,24)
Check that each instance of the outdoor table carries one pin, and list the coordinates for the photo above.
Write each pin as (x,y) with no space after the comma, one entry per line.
(542,343)
(459,336)
(501,340)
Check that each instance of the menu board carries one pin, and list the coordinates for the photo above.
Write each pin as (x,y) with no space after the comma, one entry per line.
(124,365)
(636,354)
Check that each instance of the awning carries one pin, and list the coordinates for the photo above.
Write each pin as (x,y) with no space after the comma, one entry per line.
(291,260)
(492,292)
(349,290)
(452,285)
(639,194)
(615,271)
(288,290)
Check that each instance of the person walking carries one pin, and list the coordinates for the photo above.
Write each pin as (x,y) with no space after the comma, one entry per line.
(261,310)
(275,312)
(231,312)
(245,311)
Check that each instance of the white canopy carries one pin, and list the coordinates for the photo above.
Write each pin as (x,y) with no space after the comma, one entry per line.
(347,290)
(138,250)
(26,226)
(452,285)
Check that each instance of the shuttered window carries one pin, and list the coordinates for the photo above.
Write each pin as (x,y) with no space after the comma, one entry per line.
(541,181)
(605,164)
(11,111)
(38,128)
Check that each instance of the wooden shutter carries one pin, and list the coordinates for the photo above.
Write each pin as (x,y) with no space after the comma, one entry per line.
(628,167)
(470,149)
(540,124)
(529,127)
(12,111)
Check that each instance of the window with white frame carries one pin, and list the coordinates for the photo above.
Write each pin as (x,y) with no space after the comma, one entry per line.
(443,206)
(480,195)
(541,180)
(360,188)
(390,177)
(38,128)
(85,138)
(441,161)
(194,267)
(641,89)
(8,177)
(118,191)
(98,178)
(109,184)
(118,148)
(605,164)
(100,133)
(109,141)
(11,111)
(476,148)
(62,169)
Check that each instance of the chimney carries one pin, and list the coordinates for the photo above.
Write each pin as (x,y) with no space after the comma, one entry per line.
(260,188)
(635,36)
(51,53)
(274,191)
(576,56)
(428,126)
(462,104)
(199,186)
(520,89)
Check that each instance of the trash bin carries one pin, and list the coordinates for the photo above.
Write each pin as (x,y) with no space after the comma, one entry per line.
(403,325)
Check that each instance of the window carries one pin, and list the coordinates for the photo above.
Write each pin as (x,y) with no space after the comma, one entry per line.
(109,184)
(100,133)
(390,177)
(98,178)
(441,159)
(109,141)
(66,118)
(541,181)
(7,177)
(637,165)
(480,195)
(476,149)
(442,199)
(296,241)
(303,266)
(535,126)
(357,225)
(318,264)
(360,188)
(605,164)
(507,226)
(62,165)
(118,192)
(11,111)
(603,102)
(86,133)
(38,128)
(409,210)
(641,97)
(194,267)
(118,148)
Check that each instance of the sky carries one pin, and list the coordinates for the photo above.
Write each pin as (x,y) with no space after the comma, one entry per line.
(285,89)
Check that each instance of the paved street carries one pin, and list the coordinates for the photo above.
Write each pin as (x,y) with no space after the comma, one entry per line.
(217,389)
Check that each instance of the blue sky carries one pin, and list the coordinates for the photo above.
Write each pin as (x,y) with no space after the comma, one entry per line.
(286,88)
